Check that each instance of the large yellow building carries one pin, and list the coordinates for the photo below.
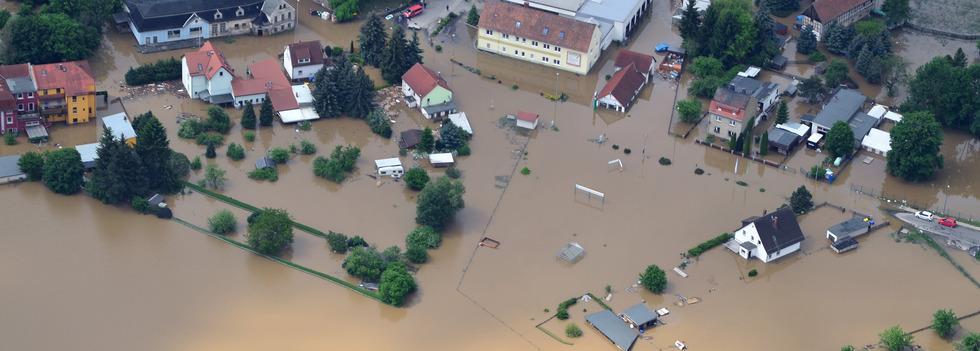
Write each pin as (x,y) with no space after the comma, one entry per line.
(533,35)
(66,92)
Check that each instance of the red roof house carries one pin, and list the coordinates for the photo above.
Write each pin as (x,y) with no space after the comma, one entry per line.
(527,120)
(622,89)
(266,81)
(643,62)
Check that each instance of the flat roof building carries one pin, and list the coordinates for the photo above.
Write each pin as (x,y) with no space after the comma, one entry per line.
(613,328)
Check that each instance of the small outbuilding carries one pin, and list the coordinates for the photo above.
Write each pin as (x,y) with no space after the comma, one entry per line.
(121,127)
(157,200)
(409,138)
(441,159)
(10,170)
(613,328)
(460,120)
(639,316)
(850,228)
(778,62)
(265,162)
(89,154)
(527,120)
(877,141)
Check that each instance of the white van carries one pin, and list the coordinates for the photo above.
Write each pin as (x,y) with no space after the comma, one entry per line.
(391,167)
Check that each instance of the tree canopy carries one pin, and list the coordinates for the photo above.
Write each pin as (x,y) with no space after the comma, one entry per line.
(270,231)
(801,201)
(416,178)
(895,339)
(807,42)
(396,284)
(915,142)
(399,55)
(32,164)
(945,90)
(840,140)
(944,323)
(438,203)
(248,116)
(343,91)
(654,279)
(153,149)
(689,110)
(372,40)
(63,171)
(365,263)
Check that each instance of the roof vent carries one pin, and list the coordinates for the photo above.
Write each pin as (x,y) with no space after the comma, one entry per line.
(545,31)
(518,24)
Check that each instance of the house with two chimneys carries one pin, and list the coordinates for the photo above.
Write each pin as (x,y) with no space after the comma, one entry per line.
(427,90)
(633,70)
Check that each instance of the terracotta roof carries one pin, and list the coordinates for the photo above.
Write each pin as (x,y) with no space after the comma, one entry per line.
(267,77)
(828,10)
(206,60)
(15,71)
(311,50)
(422,79)
(729,104)
(624,84)
(534,24)
(527,116)
(643,62)
(74,77)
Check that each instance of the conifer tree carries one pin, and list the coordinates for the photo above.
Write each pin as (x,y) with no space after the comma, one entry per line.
(372,40)
(266,113)
(248,116)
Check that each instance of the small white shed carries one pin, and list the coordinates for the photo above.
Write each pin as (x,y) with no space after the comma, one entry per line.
(877,141)
(441,160)
(527,120)
(460,120)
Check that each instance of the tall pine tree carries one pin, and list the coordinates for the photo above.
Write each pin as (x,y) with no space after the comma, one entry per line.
(326,101)
(414,52)
(372,40)
(105,184)
(362,95)
(248,116)
(690,21)
(266,114)
(154,152)
(838,38)
(394,58)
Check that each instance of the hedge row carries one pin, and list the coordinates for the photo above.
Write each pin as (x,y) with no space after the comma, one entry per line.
(160,71)
(708,245)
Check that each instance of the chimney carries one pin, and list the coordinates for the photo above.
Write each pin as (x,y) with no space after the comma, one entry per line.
(775,222)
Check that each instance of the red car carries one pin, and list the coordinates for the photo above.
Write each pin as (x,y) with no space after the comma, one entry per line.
(413,11)
(948,221)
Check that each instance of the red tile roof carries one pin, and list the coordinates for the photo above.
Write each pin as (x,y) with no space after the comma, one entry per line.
(74,77)
(422,79)
(311,50)
(206,60)
(828,10)
(527,116)
(538,25)
(729,112)
(643,62)
(624,84)
(730,104)
(267,77)
(15,71)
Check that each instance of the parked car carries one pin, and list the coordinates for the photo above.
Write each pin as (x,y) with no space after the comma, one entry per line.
(926,215)
(413,11)
(948,221)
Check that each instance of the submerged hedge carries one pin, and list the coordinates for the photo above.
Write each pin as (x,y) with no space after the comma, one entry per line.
(160,71)
(708,245)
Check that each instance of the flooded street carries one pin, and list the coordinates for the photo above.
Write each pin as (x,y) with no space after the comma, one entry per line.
(83,275)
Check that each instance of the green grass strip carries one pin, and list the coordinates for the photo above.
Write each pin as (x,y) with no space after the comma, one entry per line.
(232,201)
(304,269)
(599,301)
(918,235)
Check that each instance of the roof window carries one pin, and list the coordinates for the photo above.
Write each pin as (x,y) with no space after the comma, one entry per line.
(518,24)
(545,31)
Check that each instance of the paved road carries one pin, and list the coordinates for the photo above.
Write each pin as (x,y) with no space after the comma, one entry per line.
(436,9)
(967,236)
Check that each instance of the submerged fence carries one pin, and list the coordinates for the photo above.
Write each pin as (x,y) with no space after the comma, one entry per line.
(899,200)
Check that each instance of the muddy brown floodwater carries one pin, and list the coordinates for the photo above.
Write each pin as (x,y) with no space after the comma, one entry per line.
(83,275)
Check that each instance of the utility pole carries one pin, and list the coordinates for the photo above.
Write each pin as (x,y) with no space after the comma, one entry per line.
(945,200)
(556,100)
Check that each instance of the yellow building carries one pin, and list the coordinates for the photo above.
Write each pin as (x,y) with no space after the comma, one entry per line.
(66,92)
(533,35)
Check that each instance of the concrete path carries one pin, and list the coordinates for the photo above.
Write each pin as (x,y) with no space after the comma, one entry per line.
(966,235)
(437,9)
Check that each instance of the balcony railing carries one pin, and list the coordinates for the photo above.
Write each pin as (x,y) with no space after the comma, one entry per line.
(54,110)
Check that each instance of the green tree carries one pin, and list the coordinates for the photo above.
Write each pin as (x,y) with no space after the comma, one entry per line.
(782,113)
(944,323)
(396,284)
(838,38)
(416,178)
(811,88)
(63,171)
(654,279)
(427,142)
(107,184)
(970,343)
(870,65)
(414,51)
(423,236)
(32,164)
(840,140)
(945,90)
(47,38)
(180,165)
(306,147)
(573,331)
(727,31)
(801,201)
(690,21)
(836,73)
(153,148)
(372,40)
(452,137)
(764,144)
(271,231)
(379,123)
(91,13)
(235,152)
(345,10)
(391,255)
(690,110)
(279,155)
(210,152)
(361,101)
(341,162)
(416,254)
(896,11)
(438,203)
(747,142)
(895,339)
(472,17)
(248,116)
(214,177)
(704,66)
(847,348)
(4,17)
(222,222)
(807,42)
(915,153)
(266,113)
(337,242)
(327,96)
(764,48)
(218,120)
(959,58)
(394,59)
(365,263)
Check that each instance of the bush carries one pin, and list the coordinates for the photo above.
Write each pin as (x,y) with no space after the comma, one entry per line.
(654,279)
(249,136)
(562,314)
(895,339)
(817,56)
(32,164)
(356,241)
(218,120)
(190,128)
(222,222)
(416,254)
(525,171)
(196,163)
(424,237)
(664,161)
(463,150)
(698,171)
(213,139)
(337,242)
(210,153)
(271,231)
(307,148)
(279,155)
(689,110)
(944,323)
(452,172)
(160,71)
(235,152)
(708,245)
(305,126)
(365,263)
(627,151)
(396,284)
(379,123)
(801,201)
(438,203)
(341,162)
(573,331)
(140,204)
(438,48)
(270,174)
(10,138)
(753,273)
(416,178)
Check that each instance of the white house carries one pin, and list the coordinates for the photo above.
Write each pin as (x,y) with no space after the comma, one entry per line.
(207,76)
(622,89)
(426,89)
(303,60)
(770,236)
(527,120)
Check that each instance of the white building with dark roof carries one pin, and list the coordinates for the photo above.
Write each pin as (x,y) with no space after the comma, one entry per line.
(770,236)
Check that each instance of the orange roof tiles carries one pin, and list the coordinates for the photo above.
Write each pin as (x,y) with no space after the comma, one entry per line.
(624,84)
(206,60)
(538,25)
(422,79)
(74,77)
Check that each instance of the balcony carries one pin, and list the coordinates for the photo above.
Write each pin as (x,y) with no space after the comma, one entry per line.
(58,96)
(53,110)
(28,116)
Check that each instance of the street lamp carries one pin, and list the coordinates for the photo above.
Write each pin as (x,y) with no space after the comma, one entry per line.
(556,100)
(946,199)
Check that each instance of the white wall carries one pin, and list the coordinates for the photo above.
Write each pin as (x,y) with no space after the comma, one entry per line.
(287,62)
(255,99)
(304,72)
(220,82)
(776,255)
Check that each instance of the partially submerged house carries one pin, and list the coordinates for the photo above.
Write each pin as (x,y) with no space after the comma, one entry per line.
(426,88)
(89,154)
(303,60)
(18,99)
(264,162)
(845,106)
(613,328)
(121,127)
(822,13)
(642,62)
(770,236)
(10,170)
(527,120)
(784,137)
(639,316)
(66,91)
(729,111)
(206,75)
(409,138)
(850,228)
(441,159)
(622,89)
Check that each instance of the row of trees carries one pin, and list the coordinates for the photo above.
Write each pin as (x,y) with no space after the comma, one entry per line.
(868,44)
(394,55)
(160,71)
(730,32)
(343,91)
(61,30)
(946,87)
(266,114)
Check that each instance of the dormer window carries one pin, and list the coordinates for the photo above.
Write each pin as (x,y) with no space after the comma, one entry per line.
(304,60)
(517,24)
(217,15)
(545,31)
(240,12)
(561,35)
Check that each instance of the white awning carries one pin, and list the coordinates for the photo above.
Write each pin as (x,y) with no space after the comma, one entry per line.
(878,140)
(298,115)
(444,158)
(893,116)
(795,128)
(877,111)
(303,94)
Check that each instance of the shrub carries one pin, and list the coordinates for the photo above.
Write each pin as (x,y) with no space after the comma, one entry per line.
(305,126)
(235,152)
(218,120)
(416,178)
(416,254)
(196,163)
(817,56)
(210,153)
(664,161)
(753,273)
(573,331)
(10,138)
(160,71)
(514,87)
(895,339)
(424,237)
(801,201)
(689,110)
(698,171)
(944,322)
(562,314)
(452,172)
(526,171)
(222,222)
(341,162)
(654,279)
(279,155)
(365,263)
(708,245)
(627,151)
(210,139)
(463,150)
(337,242)
(270,174)
(249,136)
(189,129)
(438,48)
(307,148)
(32,164)
(271,231)
(357,241)
(396,284)
(379,123)
(140,204)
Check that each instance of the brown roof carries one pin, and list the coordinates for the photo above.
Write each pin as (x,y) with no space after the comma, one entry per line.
(422,79)
(729,104)
(410,138)
(624,84)
(267,77)
(74,76)
(534,24)
(206,60)
(828,10)
(643,62)
(311,50)
(15,71)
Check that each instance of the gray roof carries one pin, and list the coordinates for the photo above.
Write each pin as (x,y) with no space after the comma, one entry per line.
(752,86)
(440,108)
(613,328)
(567,5)
(807,118)
(9,167)
(845,228)
(640,314)
(731,98)
(164,14)
(264,162)
(841,107)
(861,125)
(748,245)
(155,200)
(615,10)
(782,138)
(778,229)
(21,84)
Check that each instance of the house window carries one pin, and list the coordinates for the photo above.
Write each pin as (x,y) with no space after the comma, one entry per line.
(557,62)
(20,107)
(304,60)
(175,33)
(30,106)
(74,110)
(196,31)
(515,52)
(545,59)
(30,95)
(221,73)
(217,15)
(74,99)
(10,120)
(223,26)
(546,46)
(574,59)
(506,36)
(534,43)
(236,26)
(731,122)
(717,129)
(488,45)
(20,95)
(558,49)
(489,32)
(532,55)
(717,118)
